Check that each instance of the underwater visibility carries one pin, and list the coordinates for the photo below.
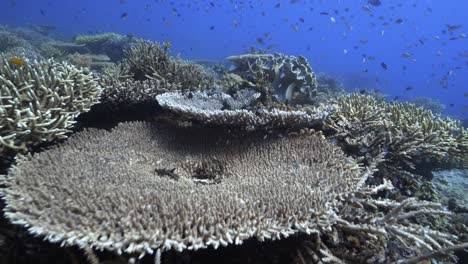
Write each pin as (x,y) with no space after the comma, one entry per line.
(233,131)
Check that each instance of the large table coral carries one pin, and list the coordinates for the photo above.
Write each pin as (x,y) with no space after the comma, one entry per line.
(143,187)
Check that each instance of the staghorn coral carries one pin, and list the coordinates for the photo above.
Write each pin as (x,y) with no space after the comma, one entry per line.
(389,228)
(144,187)
(408,135)
(238,111)
(289,76)
(39,101)
(149,60)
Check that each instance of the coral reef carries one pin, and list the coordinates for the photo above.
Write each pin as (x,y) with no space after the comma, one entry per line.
(111,44)
(406,134)
(96,39)
(453,185)
(328,87)
(149,60)
(239,111)
(165,188)
(93,61)
(427,103)
(240,167)
(39,100)
(290,77)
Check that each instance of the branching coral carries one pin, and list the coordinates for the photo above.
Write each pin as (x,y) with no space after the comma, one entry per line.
(406,133)
(289,76)
(144,187)
(39,100)
(149,60)
(366,220)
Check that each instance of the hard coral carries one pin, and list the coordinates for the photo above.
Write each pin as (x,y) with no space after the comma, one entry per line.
(289,76)
(405,133)
(111,44)
(143,187)
(148,60)
(239,111)
(39,100)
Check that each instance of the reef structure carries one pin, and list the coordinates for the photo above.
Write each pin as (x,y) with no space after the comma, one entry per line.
(144,187)
(40,100)
(239,110)
(290,77)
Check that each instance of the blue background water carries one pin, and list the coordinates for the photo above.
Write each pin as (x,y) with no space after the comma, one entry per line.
(296,27)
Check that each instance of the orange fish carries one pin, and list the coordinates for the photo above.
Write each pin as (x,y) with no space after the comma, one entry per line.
(18,62)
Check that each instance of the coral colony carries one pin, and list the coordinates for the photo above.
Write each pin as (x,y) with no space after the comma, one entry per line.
(265,152)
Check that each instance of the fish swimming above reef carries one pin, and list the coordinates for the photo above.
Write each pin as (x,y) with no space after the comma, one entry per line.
(18,62)
(384,66)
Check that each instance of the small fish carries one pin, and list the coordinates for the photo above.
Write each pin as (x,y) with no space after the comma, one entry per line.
(260,41)
(235,23)
(375,2)
(167,44)
(399,21)
(212,27)
(124,15)
(409,88)
(42,12)
(324,13)
(18,62)
(332,19)
(384,66)
(451,105)
(366,8)
(406,55)
(451,28)
(345,51)
(278,5)
(363,41)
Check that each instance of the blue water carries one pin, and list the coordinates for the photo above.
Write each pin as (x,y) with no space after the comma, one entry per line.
(206,30)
